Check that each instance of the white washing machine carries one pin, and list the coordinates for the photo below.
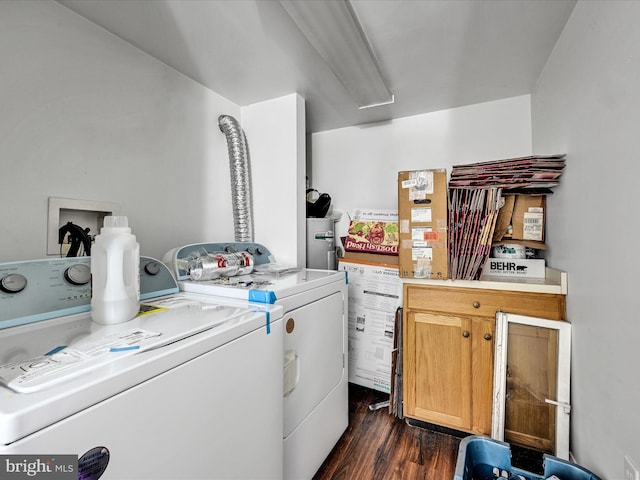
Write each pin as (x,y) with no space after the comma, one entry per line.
(189,389)
(315,385)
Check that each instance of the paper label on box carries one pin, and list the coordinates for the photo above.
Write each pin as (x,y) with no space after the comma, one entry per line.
(418,253)
(418,234)
(420,184)
(372,215)
(421,215)
(432,236)
(532,227)
(424,236)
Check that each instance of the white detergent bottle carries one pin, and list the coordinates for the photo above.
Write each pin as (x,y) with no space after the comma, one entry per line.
(115,275)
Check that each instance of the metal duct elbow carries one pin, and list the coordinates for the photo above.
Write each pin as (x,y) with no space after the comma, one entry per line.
(240,178)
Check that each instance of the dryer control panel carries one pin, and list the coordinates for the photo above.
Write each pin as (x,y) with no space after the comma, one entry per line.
(177,258)
(35,290)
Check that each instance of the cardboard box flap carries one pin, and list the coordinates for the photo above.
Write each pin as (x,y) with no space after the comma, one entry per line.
(522,217)
(503,222)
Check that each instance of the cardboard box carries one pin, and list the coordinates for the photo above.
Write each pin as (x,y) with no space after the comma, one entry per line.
(522,217)
(371,258)
(375,293)
(514,268)
(422,220)
(372,237)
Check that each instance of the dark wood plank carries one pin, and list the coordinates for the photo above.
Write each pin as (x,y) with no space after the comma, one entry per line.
(378,446)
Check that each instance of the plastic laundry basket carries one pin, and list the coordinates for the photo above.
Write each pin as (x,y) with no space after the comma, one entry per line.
(478,456)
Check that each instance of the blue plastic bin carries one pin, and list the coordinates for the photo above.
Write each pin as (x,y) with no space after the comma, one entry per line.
(477,457)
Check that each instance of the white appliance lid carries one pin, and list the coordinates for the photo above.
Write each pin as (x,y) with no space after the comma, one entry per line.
(266,288)
(188,326)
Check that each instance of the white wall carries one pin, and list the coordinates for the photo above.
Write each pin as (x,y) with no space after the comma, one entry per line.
(358,166)
(587,104)
(87,116)
(278,172)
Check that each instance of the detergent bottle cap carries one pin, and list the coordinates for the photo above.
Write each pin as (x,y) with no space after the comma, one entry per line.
(116,221)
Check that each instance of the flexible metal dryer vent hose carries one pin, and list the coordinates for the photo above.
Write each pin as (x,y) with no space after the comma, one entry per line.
(240,178)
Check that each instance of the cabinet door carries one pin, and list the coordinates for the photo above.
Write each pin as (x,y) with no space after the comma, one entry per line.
(482,335)
(533,369)
(438,369)
(532,364)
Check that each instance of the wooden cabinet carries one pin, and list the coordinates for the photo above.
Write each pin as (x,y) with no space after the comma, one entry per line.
(449,347)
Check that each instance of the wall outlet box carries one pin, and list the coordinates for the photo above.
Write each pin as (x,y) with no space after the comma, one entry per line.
(631,472)
(84,213)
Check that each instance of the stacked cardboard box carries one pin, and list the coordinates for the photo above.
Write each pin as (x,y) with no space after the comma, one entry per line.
(524,182)
(422,219)
(472,219)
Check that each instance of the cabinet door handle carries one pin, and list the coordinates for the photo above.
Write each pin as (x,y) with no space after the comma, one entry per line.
(476,304)
(465,334)
(487,336)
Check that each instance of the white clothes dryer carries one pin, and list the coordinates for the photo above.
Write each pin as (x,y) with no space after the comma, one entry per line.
(315,355)
(191,388)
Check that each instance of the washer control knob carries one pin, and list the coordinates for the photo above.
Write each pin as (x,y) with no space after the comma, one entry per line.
(13,283)
(251,250)
(259,251)
(230,249)
(152,268)
(78,274)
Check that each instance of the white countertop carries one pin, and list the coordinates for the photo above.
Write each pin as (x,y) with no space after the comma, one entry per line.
(555,282)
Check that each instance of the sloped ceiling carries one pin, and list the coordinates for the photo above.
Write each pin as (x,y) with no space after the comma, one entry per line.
(434,54)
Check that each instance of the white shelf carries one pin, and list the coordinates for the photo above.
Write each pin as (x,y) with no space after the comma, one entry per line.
(555,282)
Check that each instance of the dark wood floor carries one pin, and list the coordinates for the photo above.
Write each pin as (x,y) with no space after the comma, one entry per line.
(378,446)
